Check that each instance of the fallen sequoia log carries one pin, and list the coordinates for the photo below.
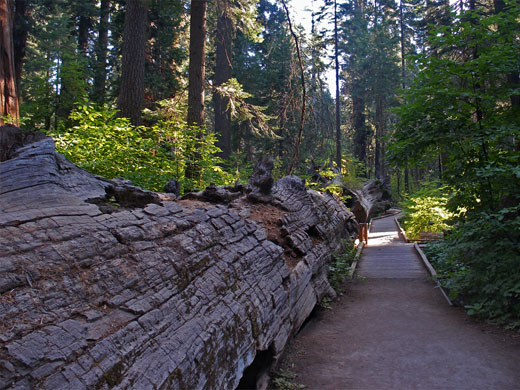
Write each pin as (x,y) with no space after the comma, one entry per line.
(371,200)
(104,285)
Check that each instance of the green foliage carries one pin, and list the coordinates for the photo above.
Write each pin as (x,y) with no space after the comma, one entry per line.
(426,210)
(108,145)
(340,267)
(350,177)
(461,107)
(479,263)
(239,167)
(284,380)
(243,112)
(188,145)
(54,74)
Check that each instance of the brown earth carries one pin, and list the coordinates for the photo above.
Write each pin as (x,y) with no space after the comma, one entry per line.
(393,330)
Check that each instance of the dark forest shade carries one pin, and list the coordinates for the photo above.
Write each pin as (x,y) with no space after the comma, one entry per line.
(223,74)
(197,74)
(21,29)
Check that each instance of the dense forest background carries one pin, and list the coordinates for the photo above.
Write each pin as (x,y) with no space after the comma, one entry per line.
(428,100)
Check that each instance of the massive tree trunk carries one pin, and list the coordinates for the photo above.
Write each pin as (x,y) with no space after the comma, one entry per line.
(373,199)
(196,78)
(145,292)
(8,90)
(131,93)
(222,75)
(100,72)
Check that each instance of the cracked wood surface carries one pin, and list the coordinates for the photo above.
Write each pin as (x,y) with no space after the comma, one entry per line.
(163,295)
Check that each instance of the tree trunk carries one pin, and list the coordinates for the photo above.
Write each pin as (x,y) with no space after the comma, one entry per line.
(222,75)
(100,74)
(338,106)
(196,77)
(403,75)
(360,131)
(380,133)
(131,93)
(84,25)
(20,32)
(296,155)
(166,300)
(406,181)
(8,93)
(403,64)
(513,78)
(371,200)
(197,66)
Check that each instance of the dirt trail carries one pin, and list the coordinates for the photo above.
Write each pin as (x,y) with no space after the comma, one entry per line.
(394,330)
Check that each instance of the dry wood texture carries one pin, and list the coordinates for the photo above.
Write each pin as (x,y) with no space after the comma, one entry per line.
(104,285)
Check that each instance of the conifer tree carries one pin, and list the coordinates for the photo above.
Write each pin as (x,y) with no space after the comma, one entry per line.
(131,93)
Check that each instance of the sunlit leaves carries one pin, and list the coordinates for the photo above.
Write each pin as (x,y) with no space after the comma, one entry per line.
(108,145)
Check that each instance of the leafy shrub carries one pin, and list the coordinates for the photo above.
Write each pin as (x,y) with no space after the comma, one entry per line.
(340,267)
(426,211)
(479,263)
(149,156)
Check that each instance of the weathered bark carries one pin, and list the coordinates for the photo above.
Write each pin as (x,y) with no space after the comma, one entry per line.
(8,90)
(371,200)
(100,73)
(150,293)
(223,74)
(12,138)
(261,182)
(131,93)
